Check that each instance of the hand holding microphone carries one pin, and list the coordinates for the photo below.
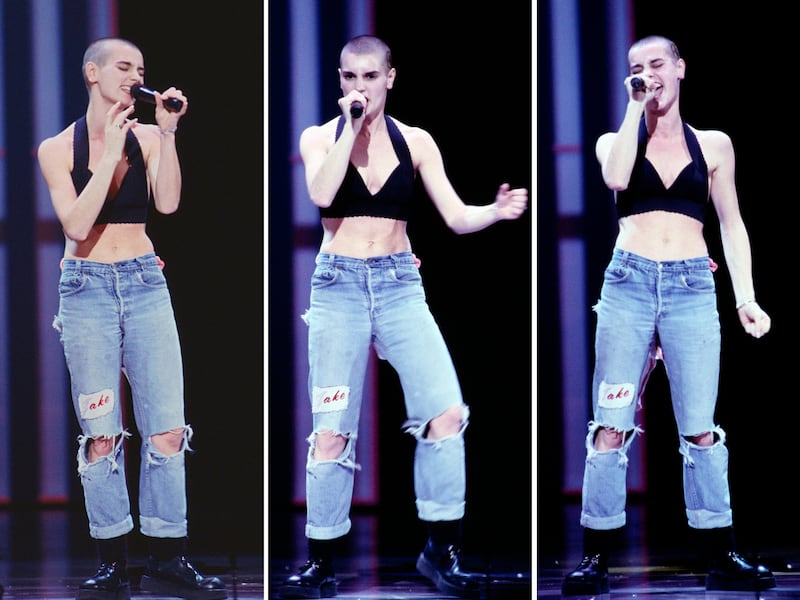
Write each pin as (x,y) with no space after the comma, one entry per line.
(147,95)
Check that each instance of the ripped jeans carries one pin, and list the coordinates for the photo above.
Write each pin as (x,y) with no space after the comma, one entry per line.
(645,305)
(357,304)
(113,319)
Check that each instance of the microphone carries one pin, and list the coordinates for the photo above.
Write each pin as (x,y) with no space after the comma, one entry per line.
(356,109)
(147,95)
(637,83)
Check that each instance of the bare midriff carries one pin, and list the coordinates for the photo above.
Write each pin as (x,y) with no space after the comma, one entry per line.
(660,236)
(364,237)
(111,242)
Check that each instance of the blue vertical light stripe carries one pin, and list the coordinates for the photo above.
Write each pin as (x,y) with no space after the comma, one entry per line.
(568,161)
(304,93)
(102,16)
(54,401)
(619,25)
(47,95)
(361,18)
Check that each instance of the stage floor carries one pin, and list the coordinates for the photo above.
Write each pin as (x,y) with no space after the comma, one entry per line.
(379,561)
(45,554)
(39,562)
(58,579)
(660,558)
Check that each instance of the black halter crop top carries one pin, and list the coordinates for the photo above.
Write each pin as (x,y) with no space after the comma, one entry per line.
(688,195)
(130,203)
(392,201)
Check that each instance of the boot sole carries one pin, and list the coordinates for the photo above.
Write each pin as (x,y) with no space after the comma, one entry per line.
(167,588)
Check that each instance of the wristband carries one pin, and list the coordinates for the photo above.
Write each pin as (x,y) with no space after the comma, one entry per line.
(743,302)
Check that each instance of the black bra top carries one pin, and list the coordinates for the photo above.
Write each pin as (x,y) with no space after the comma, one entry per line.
(688,195)
(392,201)
(130,203)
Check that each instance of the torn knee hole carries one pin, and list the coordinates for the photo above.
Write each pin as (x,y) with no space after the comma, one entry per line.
(446,424)
(606,438)
(97,448)
(709,438)
(169,442)
(329,445)
(94,449)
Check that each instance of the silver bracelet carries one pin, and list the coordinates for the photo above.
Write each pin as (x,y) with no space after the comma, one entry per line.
(166,131)
(743,302)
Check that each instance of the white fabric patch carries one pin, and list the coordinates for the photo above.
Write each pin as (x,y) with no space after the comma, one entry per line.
(97,404)
(615,395)
(330,399)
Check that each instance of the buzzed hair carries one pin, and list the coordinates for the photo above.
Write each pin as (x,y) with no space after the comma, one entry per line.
(367,44)
(98,52)
(668,43)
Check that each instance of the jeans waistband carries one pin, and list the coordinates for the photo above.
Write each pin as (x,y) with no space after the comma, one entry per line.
(130,264)
(629,258)
(389,260)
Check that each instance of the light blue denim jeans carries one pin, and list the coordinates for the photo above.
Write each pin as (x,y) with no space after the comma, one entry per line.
(114,319)
(378,302)
(644,305)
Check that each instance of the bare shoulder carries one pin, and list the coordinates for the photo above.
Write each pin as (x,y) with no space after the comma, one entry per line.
(55,152)
(420,141)
(713,140)
(319,134)
(412,133)
(60,142)
(713,137)
(716,145)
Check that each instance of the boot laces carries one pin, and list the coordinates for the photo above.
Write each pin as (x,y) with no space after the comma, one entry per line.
(590,560)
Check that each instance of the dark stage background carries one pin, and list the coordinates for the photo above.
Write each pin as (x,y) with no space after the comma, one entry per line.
(464,74)
(738,63)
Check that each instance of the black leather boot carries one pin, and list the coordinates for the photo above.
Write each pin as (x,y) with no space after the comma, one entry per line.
(591,575)
(440,561)
(110,582)
(441,564)
(727,569)
(316,578)
(168,572)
